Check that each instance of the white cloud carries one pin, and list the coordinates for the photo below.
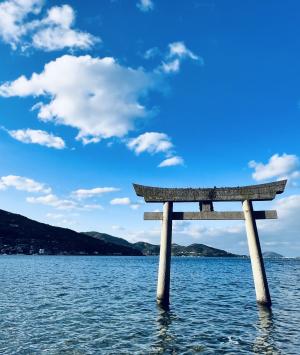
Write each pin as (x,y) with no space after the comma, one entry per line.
(279,167)
(171,162)
(117,228)
(23,184)
(145,5)
(61,204)
(13,13)
(56,32)
(155,142)
(172,66)
(125,201)
(177,52)
(38,137)
(97,191)
(151,142)
(97,96)
(54,215)
(151,53)
(53,32)
(53,201)
(179,49)
(135,206)
(61,220)
(92,207)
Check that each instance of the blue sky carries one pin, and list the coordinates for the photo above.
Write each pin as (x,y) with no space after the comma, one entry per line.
(94,97)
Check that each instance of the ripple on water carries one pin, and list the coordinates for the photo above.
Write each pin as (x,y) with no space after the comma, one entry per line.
(92,305)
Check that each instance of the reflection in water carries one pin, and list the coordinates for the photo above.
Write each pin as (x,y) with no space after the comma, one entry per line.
(264,342)
(165,340)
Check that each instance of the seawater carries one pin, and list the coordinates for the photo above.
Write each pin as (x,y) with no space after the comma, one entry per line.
(106,305)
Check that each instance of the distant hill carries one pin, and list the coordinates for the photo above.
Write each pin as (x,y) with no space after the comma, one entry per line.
(271,254)
(179,250)
(21,235)
(107,238)
(147,248)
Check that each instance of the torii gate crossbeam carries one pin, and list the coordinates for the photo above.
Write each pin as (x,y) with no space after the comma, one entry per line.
(205,197)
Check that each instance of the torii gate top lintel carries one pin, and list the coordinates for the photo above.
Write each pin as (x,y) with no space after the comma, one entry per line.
(261,192)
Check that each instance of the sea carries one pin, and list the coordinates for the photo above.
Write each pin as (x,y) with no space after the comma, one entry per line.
(107,305)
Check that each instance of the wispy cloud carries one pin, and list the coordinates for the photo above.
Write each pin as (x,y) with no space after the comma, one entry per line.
(124,201)
(178,52)
(95,192)
(173,161)
(23,184)
(61,204)
(145,5)
(53,201)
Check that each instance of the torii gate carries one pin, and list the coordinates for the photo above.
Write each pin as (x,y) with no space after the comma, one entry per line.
(205,197)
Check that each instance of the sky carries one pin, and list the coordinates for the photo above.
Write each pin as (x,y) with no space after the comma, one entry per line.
(97,95)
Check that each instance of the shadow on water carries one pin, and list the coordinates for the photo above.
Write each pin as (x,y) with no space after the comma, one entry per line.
(264,342)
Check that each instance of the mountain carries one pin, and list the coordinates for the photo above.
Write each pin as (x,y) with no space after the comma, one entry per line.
(21,235)
(147,248)
(107,238)
(272,255)
(179,250)
(199,250)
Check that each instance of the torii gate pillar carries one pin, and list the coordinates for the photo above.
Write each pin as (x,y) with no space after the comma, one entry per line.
(257,262)
(163,283)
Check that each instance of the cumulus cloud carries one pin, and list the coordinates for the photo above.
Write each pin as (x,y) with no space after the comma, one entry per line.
(97,96)
(151,142)
(171,162)
(178,51)
(279,167)
(53,32)
(97,191)
(56,33)
(23,184)
(38,137)
(13,14)
(145,5)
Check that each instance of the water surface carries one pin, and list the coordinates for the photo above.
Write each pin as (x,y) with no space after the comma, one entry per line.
(106,305)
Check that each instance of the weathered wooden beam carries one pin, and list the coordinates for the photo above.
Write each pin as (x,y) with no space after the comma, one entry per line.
(231,215)
(261,192)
